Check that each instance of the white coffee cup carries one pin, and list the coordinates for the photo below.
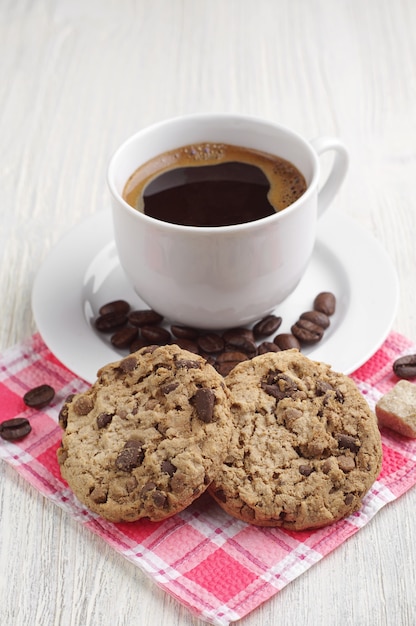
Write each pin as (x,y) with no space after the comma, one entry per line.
(221,277)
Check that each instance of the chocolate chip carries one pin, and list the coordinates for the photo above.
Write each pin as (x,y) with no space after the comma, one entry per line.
(322,387)
(187,364)
(305,470)
(349,498)
(348,442)
(405,366)
(267,326)
(99,494)
(220,495)
(145,317)
(128,364)
(116,306)
(168,467)
(103,419)
(63,413)
(149,486)
(83,405)
(130,457)
(279,386)
(39,397)
(204,401)
(159,499)
(15,429)
(325,302)
(166,389)
(346,463)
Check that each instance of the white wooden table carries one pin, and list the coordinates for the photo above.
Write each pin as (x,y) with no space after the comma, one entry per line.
(77,77)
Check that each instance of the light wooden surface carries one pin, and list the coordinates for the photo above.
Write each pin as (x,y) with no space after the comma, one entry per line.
(77,77)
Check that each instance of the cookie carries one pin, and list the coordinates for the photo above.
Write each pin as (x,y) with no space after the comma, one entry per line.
(149,435)
(397,409)
(305,446)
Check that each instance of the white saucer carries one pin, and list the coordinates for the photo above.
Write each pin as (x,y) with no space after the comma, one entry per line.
(83,272)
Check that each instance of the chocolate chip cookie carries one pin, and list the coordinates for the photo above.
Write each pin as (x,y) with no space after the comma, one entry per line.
(305,446)
(148,437)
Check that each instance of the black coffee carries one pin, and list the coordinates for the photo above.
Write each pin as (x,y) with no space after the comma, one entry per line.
(213,185)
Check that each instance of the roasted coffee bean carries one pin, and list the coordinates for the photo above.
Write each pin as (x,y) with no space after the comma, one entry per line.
(317,317)
(267,346)
(38,397)
(117,306)
(286,341)
(243,345)
(211,343)
(307,332)
(228,360)
(184,332)
(15,428)
(233,334)
(204,401)
(124,337)
(187,344)
(138,344)
(155,334)
(405,366)
(325,302)
(267,326)
(110,322)
(145,317)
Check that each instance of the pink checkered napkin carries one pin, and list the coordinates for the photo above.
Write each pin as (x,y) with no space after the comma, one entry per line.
(218,567)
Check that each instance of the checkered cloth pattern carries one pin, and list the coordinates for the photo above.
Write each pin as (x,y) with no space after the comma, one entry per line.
(218,567)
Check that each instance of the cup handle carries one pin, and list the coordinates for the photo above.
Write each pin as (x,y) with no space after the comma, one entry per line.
(337,173)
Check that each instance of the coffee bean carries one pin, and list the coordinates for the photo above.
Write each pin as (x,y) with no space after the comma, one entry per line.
(145,317)
(405,366)
(317,317)
(124,337)
(325,302)
(286,341)
(267,346)
(234,333)
(267,326)
(204,401)
(155,334)
(184,332)
(138,344)
(307,332)
(110,322)
(211,343)
(117,306)
(228,360)
(38,397)
(243,345)
(187,344)
(15,428)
